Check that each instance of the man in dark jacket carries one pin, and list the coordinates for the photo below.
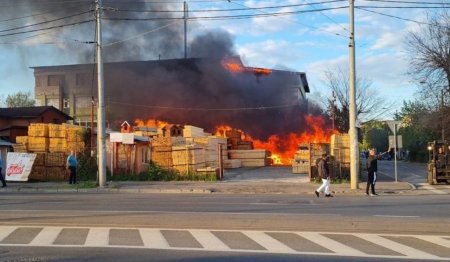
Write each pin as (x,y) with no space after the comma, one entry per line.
(324,174)
(371,167)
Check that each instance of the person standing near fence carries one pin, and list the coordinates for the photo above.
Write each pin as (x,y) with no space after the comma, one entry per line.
(372,168)
(72,166)
(324,174)
(2,178)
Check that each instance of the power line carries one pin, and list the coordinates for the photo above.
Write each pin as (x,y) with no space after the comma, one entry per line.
(206,109)
(225,17)
(47,3)
(32,15)
(232,9)
(400,18)
(44,22)
(402,7)
(408,2)
(48,28)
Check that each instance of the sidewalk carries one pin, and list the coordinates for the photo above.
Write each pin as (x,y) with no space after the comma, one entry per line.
(264,180)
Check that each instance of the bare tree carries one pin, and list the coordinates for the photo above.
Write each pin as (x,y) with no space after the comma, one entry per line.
(369,104)
(429,51)
(429,56)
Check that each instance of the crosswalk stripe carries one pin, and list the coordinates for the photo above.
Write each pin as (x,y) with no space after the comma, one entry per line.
(153,238)
(268,242)
(397,247)
(208,240)
(436,240)
(330,244)
(97,237)
(433,189)
(46,237)
(6,231)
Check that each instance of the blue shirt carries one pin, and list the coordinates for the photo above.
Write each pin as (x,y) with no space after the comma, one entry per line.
(72,161)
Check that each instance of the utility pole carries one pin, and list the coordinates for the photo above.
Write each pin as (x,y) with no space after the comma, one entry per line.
(442,115)
(101,146)
(185,11)
(354,155)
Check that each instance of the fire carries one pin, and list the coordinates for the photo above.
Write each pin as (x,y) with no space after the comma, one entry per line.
(284,147)
(150,123)
(236,66)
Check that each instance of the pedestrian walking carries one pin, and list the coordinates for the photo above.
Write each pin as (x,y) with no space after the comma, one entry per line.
(324,174)
(1,175)
(372,168)
(72,166)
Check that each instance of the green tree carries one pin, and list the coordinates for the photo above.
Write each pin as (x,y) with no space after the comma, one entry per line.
(417,128)
(375,135)
(20,99)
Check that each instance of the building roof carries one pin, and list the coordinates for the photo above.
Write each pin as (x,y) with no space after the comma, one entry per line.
(173,64)
(29,112)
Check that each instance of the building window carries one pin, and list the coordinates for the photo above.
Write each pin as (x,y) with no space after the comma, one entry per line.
(66,103)
(55,80)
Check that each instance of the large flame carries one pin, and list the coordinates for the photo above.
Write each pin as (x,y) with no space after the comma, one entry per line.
(282,147)
(150,123)
(236,66)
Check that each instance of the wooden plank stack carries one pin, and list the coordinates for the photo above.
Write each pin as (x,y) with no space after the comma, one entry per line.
(51,143)
(340,147)
(301,161)
(192,131)
(188,158)
(251,158)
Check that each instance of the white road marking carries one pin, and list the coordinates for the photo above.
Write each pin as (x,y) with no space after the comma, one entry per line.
(437,240)
(433,189)
(272,245)
(6,231)
(397,247)
(331,244)
(208,240)
(396,216)
(153,238)
(47,236)
(97,237)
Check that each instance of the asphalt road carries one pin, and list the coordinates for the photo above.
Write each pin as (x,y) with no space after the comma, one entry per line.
(226,227)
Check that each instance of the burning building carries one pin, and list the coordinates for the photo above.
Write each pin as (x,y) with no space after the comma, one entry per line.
(198,91)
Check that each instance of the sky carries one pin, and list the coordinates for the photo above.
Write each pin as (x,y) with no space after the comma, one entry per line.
(309,41)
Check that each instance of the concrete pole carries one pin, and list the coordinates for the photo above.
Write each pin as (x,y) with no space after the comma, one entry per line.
(101,146)
(185,10)
(354,155)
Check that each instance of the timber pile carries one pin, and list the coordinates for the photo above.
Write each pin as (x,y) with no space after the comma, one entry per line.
(251,158)
(192,131)
(340,147)
(301,161)
(235,140)
(51,143)
(188,158)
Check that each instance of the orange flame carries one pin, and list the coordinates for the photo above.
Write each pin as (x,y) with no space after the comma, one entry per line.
(150,123)
(236,66)
(284,147)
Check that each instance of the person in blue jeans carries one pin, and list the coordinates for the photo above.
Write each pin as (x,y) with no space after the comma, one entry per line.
(1,176)
(72,166)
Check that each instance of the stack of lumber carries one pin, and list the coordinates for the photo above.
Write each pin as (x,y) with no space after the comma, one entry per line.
(21,145)
(211,148)
(74,137)
(251,158)
(192,131)
(188,158)
(301,161)
(51,143)
(38,137)
(340,147)
(38,171)
(232,163)
(235,140)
